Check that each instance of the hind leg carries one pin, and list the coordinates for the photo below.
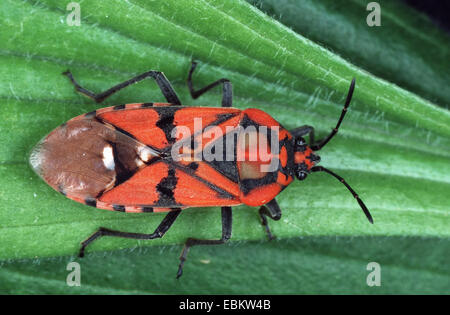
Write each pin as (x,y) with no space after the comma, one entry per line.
(163,227)
(159,77)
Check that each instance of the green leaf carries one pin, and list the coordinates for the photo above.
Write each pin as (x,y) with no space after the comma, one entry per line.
(393,147)
(310,265)
(408,49)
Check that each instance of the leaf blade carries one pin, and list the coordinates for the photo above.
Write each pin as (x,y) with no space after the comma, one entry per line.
(303,77)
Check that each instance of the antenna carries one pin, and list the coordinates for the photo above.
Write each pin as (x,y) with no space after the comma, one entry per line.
(361,204)
(323,142)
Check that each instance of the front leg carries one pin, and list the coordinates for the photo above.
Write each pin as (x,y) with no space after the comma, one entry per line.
(271,210)
(304,131)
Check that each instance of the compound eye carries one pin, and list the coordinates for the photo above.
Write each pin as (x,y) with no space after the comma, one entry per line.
(299,142)
(301,175)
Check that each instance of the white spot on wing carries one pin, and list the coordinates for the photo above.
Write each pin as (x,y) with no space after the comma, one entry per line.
(139,162)
(145,153)
(108,158)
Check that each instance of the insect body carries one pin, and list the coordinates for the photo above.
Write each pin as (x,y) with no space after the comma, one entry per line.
(164,157)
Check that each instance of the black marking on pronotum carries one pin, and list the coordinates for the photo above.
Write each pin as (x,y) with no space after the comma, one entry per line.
(246,122)
(165,189)
(247,185)
(284,171)
(119,107)
(146,105)
(288,144)
(147,209)
(119,208)
(165,122)
(91,202)
(225,167)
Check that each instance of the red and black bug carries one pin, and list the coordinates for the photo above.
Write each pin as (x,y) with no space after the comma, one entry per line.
(122,158)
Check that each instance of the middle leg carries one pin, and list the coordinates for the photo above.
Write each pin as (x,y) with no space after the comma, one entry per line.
(303,131)
(226,235)
(227,96)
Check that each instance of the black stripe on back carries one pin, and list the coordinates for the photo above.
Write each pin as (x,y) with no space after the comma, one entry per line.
(165,189)
(224,167)
(165,122)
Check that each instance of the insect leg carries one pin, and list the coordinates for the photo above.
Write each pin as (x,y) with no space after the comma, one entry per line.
(271,209)
(160,78)
(163,227)
(303,131)
(226,235)
(227,96)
